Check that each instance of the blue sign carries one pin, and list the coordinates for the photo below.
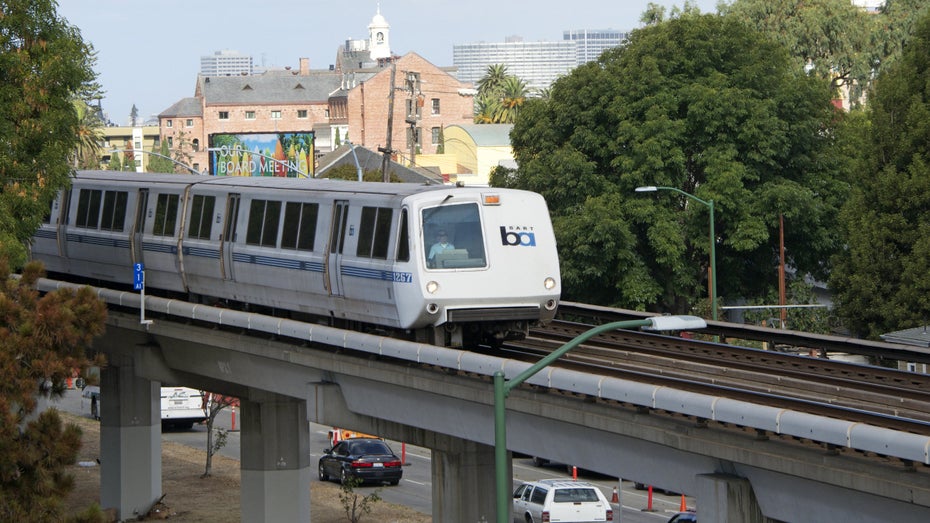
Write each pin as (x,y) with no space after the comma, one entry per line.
(138,280)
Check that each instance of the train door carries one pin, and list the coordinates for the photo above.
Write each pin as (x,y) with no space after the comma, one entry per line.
(229,235)
(63,208)
(142,204)
(332,273)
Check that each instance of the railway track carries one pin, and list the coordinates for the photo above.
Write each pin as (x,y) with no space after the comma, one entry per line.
(878,396)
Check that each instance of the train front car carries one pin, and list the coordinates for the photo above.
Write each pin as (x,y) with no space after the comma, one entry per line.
(486,265)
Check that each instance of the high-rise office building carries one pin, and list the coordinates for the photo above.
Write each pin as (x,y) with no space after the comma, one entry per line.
(225,63)
(590,43)
(536,63)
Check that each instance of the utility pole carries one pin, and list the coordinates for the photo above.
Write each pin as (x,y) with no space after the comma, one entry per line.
(414,105)
(386,159)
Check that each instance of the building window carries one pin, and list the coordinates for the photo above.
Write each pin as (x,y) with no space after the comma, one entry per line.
(190,122)
(435,105)
(169,123)
(170,142)
(326,112)
(436,132)
(195,144)
(250,115)
(275,115)
(301,113)
(224,115)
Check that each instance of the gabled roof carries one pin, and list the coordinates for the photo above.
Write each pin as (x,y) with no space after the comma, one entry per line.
(272,87)
(918,336)
(184,107)
(370,160)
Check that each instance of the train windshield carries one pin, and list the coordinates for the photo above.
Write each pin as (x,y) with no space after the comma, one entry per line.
(452,237)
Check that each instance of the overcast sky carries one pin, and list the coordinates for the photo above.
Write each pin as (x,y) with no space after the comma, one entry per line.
(148,53)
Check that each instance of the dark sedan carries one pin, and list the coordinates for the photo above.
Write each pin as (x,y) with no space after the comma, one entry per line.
(370,460)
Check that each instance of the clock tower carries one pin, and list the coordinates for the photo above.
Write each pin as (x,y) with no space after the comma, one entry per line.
(378,42)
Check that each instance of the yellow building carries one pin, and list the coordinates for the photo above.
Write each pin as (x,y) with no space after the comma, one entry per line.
(122,138)
(477,149)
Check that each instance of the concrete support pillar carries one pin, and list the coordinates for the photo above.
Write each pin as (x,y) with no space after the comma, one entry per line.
(275,459)
(727,499)
(463,481)
(130,441)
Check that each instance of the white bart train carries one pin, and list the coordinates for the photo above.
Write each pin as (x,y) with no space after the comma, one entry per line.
(355,255)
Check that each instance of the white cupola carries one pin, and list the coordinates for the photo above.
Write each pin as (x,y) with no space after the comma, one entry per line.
(378,41)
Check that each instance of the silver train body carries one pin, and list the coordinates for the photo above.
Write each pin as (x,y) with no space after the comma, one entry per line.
(351,254)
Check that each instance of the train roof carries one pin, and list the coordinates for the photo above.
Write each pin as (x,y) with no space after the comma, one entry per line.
(270,182)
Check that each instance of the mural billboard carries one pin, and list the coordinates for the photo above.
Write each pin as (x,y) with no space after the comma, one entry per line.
(262,154)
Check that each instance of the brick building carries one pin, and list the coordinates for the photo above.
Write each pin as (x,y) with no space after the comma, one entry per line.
(348,101)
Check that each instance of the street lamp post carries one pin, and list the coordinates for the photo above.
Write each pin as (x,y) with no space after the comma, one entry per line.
(502,389)
(713,241)
(358,166)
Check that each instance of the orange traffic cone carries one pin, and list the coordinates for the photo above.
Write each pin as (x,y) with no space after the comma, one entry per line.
(684,504)
(615,498)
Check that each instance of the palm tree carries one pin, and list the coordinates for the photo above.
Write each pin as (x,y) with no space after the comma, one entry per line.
(486,108)
(90,135)
(492,79)
(513,95)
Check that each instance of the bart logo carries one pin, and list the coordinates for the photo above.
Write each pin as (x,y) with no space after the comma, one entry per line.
(518,239)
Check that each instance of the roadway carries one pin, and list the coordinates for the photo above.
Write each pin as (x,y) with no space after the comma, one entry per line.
(415,490)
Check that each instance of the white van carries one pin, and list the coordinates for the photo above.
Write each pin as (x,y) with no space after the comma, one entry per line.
(560,501)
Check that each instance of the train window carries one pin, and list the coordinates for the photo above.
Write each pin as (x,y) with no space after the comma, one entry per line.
(51,209)
(452,237)
(374,232)
(264,217)
(403,240)
(299,230)
(114,211)
(88,211)
(166,215)
(201,217)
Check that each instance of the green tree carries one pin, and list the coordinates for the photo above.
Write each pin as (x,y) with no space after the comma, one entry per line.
(133,116)
(704,104)
(897,20)
(43,339)
(115,163)
(881,279)
(181,153)
(160,162)
(44,66)
(441,146)
(829,38)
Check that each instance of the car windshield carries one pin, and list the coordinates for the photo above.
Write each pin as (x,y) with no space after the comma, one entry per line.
(369,447)
(574,495)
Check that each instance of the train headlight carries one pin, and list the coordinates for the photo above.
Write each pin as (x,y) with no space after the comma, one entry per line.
(549,283)
(432,287)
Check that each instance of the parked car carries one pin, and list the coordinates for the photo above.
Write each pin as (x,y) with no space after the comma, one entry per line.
(684,517)
(560,500)
(370,460)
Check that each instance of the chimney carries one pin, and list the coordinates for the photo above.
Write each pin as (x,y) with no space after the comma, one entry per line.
(304,66)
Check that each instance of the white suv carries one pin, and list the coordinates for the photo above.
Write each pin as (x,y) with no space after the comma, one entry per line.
(560,501)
